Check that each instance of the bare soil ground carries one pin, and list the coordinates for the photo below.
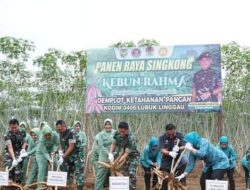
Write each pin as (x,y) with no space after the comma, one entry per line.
(192,180)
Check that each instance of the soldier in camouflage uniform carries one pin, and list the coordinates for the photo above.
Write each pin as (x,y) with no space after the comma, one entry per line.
(71,155)
(246,165)
(14,144)
(124,143)
(206,81)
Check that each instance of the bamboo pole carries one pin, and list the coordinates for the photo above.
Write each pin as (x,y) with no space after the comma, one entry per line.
(172,164)
(86,128)
(219,124)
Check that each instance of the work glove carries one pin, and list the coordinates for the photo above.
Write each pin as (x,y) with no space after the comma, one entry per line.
(173,154)
(111,157)
(60,161)
(52,154)
(19,159)
(14,163)
(176,148)
(23,151)
(60,153)
(24,154)
(154,165)
(189,146)
(183,175)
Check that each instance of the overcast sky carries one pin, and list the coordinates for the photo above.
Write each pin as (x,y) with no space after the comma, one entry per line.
(81,24)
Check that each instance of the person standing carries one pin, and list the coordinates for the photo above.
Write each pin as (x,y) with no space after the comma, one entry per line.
(124,143)
(231,154)
(71,155)
(216,162)
(34,134)
(246,166)
(47,147)
(104,141)
(28,140)
(170,143)
(150,158)
(79,129)
(14,145)
(95,154)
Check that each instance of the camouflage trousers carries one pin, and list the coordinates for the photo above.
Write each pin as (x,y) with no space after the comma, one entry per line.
(129,169)
(74,164)
(16,173)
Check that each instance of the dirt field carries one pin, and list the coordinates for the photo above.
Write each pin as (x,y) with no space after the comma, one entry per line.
(192,180)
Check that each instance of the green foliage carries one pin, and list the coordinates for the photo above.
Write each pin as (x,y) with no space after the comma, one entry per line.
(140,43)
(17,49)
(121,44)
(56,89)
(147,42)
(15,79)
(236,62)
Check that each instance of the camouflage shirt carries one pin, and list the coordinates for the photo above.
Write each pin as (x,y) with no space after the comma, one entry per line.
(70,136)
(16,139)
(206,81)
(126,143)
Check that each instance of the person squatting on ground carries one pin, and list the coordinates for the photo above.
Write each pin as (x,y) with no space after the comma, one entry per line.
(14,144)
(47,147)
(104,141)
(170,150)
(71,155)
(246,165)
(216,162)
(231,154)
(124,143)
(150,158)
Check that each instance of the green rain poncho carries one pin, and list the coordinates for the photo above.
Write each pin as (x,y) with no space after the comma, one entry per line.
(104,141)
(28,138)
(81,133)
(44,123)
(44,149)
(95,153)
(31,155)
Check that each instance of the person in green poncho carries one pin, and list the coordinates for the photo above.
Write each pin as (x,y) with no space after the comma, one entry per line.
(27,140)
(46,148)
(42,124)
(104,141)
(95,153)
(30,154)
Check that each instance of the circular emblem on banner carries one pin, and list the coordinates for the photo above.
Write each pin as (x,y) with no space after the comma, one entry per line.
(136,52)
(149,51)
(123,52)
(163,51)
